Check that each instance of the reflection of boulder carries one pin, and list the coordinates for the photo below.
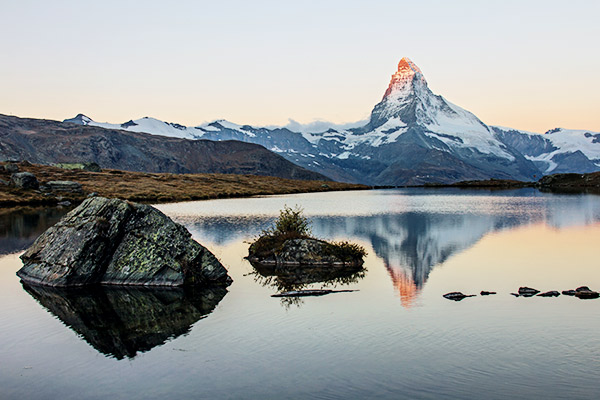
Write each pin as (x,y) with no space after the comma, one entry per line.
(121,322)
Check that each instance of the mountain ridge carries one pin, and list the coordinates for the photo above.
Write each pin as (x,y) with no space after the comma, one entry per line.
(47,142)
(412,137)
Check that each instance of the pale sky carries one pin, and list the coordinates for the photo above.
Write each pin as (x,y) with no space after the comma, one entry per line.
(532,65)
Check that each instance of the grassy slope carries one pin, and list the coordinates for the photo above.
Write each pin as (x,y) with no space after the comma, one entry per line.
(157,188)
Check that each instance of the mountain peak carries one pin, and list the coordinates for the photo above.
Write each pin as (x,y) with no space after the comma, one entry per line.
(402,80)
(406,64)
(79,119)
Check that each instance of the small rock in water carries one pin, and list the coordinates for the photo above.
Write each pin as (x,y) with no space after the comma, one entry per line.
(551,293)
(569,292)
(457,296)
(516,294)
(309,292)
(486,293)
(583,289)
(587,294)
(527,291)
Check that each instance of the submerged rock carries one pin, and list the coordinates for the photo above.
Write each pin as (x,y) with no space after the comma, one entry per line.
(112,241)
(527,291)
(582,292)
(310,292)
(457,296)
(551,293)
(587,294)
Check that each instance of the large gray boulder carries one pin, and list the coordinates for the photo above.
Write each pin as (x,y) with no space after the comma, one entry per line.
(112,241)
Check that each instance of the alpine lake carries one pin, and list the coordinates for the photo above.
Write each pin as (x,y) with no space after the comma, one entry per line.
(393,337)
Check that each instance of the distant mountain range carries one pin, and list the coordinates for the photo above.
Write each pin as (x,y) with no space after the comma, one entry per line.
(412,137)
(46,142)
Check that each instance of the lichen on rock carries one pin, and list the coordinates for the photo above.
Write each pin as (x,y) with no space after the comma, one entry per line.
(112,241)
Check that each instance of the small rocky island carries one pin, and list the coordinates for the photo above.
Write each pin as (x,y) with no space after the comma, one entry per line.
(288,243)
(116,242)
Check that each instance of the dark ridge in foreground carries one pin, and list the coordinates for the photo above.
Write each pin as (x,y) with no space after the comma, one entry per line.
(47,142)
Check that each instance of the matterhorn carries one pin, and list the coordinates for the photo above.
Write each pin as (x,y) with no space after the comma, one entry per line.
(412,137)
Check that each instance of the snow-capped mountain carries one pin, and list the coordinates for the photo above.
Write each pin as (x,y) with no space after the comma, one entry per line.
(412,137)
(558,150)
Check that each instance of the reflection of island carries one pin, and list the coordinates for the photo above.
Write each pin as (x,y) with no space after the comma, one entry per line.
(19,227)
(288,278)
(120,322)
(299,277)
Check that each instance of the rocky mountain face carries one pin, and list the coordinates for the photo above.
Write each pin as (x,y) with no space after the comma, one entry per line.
(46,142)
(413,137)
(558,150)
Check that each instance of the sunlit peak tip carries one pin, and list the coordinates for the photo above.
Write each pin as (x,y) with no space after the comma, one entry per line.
(406,64)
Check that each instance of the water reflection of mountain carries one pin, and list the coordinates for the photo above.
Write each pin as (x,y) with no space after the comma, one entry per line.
(19,227)
(412,243)
(121,322)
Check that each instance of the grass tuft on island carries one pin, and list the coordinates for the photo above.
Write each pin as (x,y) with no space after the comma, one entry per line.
(291,227)
(145,187)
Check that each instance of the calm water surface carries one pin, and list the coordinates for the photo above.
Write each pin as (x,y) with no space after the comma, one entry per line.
(396,337)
